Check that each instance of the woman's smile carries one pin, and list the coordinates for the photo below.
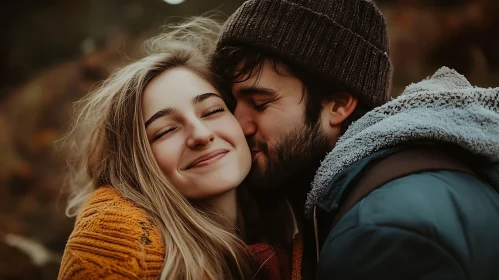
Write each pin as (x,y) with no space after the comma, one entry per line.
(208,159)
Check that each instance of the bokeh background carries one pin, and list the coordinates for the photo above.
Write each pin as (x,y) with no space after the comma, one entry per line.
(53,52)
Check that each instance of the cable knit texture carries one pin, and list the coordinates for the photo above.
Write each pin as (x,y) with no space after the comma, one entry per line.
(341,40)
(114,239)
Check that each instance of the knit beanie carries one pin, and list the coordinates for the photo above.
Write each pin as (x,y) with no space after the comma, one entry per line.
(341,40)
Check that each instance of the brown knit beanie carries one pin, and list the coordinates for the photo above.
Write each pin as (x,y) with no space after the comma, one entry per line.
(344,40)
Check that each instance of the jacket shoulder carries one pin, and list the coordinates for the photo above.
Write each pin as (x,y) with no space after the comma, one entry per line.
(426,196)
(112,237)
(411,225)
(441,206)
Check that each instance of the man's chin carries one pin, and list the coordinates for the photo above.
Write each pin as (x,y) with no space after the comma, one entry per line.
(257,178)
(293,162)
(260,180)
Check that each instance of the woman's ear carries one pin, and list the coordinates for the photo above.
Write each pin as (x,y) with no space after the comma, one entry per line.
(339,107)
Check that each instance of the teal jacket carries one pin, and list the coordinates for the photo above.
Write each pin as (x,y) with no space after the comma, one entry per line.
(429,225)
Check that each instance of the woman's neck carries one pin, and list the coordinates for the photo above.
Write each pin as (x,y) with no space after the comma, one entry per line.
(223,208)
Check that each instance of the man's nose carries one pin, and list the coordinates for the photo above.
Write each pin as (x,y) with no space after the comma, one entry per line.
(200,135)
(245,121)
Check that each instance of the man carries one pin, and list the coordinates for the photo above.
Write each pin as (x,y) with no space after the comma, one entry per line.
(302,71)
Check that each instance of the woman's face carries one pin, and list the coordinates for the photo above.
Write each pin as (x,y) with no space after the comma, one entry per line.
(195,139)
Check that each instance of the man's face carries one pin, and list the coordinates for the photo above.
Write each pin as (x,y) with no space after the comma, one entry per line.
(271,111)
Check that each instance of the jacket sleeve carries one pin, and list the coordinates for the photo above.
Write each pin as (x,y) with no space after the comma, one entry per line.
(385,252)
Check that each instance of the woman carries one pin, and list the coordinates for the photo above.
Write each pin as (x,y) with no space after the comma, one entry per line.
(157,162)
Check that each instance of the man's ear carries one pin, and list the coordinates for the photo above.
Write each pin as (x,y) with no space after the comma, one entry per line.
(339,107)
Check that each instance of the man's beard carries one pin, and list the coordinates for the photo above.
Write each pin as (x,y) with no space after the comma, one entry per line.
(291,163)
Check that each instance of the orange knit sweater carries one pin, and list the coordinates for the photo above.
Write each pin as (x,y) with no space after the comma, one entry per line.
(113,239)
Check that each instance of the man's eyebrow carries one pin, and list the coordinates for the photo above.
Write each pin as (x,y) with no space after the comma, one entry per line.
(247,91)
(168,110)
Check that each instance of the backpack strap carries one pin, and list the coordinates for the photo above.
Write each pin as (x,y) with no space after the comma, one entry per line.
(421,158)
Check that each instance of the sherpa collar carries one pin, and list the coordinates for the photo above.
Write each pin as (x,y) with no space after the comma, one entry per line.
(442,108)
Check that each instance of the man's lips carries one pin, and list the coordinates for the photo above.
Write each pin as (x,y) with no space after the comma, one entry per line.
(207,159)
(254,153)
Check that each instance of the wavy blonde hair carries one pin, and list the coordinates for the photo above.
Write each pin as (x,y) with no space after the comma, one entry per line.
(109,147)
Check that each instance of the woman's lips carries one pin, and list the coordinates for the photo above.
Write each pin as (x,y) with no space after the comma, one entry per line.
(208,159)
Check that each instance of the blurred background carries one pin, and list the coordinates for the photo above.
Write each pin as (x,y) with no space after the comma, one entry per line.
(53,52)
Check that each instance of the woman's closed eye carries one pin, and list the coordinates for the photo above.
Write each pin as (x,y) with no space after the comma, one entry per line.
(163,132)
(214,111)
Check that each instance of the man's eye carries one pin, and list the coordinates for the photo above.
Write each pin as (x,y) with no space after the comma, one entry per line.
(260,107)
(159,135)
(214,111)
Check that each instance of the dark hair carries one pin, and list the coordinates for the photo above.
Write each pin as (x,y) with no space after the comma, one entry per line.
(237,64)
(267,217)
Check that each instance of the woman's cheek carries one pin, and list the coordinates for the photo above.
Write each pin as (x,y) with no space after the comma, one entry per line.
(167,157)
(236,131)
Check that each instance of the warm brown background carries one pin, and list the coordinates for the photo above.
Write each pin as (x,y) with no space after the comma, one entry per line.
(52,52)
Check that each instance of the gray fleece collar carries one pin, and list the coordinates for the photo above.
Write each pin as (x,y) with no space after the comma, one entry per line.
(442,108)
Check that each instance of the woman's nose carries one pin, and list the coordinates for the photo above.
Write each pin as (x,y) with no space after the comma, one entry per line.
(200,135)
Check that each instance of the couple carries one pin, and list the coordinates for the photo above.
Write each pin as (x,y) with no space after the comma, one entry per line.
(196,161)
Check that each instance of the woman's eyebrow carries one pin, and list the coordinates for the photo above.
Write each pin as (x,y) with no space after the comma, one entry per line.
(168,110)
(161,113)
(202,97)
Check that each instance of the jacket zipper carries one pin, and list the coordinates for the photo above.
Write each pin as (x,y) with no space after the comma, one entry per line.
(316,233)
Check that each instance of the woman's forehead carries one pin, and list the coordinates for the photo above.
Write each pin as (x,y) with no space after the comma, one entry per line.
(176,88)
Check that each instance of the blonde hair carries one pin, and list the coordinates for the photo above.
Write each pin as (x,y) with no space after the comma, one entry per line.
(109,147)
